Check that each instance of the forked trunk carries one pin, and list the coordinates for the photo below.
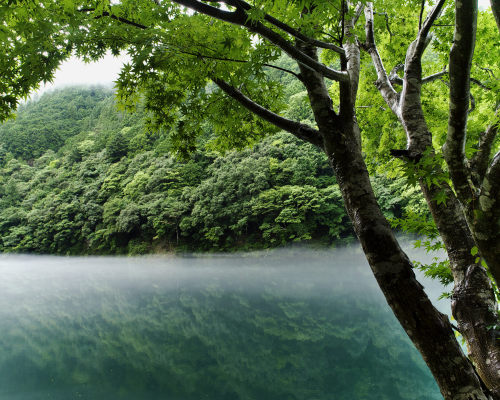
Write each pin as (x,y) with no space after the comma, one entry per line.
(429,330)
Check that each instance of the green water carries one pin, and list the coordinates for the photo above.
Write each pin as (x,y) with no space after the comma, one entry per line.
(281,325)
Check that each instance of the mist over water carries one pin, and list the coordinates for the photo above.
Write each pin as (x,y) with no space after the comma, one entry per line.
(282,324)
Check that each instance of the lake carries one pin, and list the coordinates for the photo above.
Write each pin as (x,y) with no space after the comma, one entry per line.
(283,324)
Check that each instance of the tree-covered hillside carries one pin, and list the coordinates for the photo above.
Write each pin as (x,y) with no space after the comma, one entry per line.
(45,125)
(104,182)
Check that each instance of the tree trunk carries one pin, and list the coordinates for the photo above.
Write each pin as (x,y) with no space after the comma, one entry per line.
(428,329)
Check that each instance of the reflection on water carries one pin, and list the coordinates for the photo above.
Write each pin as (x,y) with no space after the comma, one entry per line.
(291,324)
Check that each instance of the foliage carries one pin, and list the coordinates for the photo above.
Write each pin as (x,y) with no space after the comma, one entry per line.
(110,188)
(47,123)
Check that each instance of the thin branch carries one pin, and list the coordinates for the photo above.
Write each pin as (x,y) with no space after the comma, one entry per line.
(422,6)
(206,56)
(357,13)
(397,80)
(479,163)
(383,84)
(298,129)
(386,17)
(330,36)
(240,17)
(379,107)
(113,16)
(422,39)
(472,103)
(288,29)
(434,77)
(489,71)
(479,83)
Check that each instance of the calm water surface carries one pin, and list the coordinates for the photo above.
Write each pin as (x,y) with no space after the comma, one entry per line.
(288,324)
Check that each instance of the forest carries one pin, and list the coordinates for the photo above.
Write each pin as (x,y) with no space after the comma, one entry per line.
(78,176)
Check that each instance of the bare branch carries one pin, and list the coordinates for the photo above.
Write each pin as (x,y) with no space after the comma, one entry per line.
(397,80)
(298,129)
(240,17)
(460,66)
(383,84)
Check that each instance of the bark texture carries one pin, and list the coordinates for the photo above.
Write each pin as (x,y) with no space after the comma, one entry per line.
(474,304)
(338,134)
(475,188)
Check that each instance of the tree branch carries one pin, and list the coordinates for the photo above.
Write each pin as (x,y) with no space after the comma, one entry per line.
(479,163)
(394,78)
(479,83)
(357,13)
(120,19)
(386,17)
(351,63)
(460,66)
(200,55)
(288,29)
(423,34)
(422,6)
(298,129)
(383,83)
(434,77)
(412,114)
(240,17)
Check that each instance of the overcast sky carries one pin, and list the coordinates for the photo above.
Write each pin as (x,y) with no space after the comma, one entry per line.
(105,71)
(76,72)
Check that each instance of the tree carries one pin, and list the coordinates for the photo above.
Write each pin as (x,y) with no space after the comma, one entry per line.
(177,47)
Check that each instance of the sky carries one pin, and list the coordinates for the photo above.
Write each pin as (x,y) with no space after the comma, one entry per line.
(76,72)
(105,71)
